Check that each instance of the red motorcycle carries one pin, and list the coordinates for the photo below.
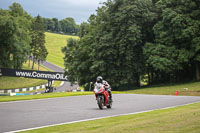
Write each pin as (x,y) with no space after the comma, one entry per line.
(102,96)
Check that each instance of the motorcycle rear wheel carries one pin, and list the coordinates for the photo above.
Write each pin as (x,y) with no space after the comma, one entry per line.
(100,102)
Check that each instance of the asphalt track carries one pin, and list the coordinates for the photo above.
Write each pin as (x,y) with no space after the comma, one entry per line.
(37,113)
(67,85)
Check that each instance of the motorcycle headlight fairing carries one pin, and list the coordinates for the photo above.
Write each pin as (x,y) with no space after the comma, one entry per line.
(100,91)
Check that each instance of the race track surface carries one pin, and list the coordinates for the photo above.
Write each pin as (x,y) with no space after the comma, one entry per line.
(36,113)
(67,85)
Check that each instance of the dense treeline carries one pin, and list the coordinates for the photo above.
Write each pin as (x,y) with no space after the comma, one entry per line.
(21,37)
(130,40)
(66,26)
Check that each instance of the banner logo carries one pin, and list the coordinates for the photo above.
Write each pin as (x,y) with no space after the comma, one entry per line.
(33,74)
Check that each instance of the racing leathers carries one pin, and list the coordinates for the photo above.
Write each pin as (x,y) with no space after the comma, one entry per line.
(107,87)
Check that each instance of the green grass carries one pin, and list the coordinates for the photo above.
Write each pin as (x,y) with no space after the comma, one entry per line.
(54,43)
(42,96)
(57,83)
(20,82)
(193,89)
(182,119)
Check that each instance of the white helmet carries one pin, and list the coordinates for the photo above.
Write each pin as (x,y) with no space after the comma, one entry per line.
(99,79)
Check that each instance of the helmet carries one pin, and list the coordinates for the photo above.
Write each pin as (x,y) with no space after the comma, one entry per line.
(99,79)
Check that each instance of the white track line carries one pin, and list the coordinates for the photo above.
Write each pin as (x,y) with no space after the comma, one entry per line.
(98,118)
(61,83)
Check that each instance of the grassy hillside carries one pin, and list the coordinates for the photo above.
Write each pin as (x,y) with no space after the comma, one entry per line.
(54,43)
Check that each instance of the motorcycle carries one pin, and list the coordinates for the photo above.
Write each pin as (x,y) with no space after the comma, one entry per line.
(102,96)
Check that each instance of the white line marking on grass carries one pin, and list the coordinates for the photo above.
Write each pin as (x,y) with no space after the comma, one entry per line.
(28,129)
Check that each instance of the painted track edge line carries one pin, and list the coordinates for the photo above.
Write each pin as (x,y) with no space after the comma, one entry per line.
(28,129)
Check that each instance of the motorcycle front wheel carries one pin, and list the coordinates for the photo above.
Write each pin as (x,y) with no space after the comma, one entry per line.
(110,103)
(100,102)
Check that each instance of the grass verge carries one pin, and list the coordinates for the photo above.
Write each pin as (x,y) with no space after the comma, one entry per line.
(54,43)
(182,119)
(19,82)
(42,96)
(46,95)
(187,89)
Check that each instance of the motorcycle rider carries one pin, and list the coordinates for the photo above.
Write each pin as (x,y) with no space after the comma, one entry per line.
(105,83)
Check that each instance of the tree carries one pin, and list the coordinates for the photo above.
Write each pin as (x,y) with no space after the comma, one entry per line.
(127,40)
(57,27)
(128,27)
(111,43)
(70,51)
(175,52)
(14,36)
(83,29)
(49,24)
(78,59)
(69,26)
(39,51)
